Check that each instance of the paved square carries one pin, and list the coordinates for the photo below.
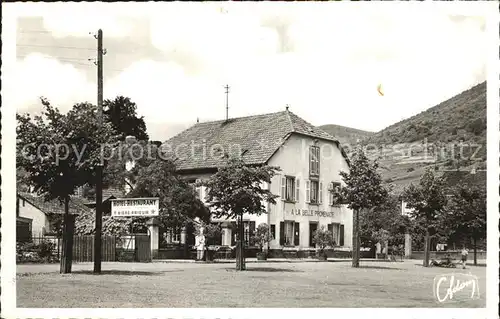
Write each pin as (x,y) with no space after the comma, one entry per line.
(304,284)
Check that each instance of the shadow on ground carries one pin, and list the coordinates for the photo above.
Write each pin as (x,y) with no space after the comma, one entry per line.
(266,269)
(122,272)
(379,267)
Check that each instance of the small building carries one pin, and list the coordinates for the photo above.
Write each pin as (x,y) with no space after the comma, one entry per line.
(36,217)
(310,161)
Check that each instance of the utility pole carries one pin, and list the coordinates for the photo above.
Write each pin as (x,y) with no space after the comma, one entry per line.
(99,167)
(227,101)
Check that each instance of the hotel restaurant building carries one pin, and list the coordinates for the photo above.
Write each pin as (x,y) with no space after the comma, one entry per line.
(310,161)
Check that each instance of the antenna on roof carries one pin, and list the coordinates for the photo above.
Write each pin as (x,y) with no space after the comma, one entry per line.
(227,101)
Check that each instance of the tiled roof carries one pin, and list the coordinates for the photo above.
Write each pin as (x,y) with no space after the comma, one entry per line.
(256,138)
(112,192)
(76,204)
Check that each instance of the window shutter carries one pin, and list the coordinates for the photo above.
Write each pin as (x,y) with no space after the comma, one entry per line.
(308,191)
(296,238)
(341,239)
(320,192)
(311,157)
(282,233)
(283,185)
(317,160)
(297,189)
(330,195)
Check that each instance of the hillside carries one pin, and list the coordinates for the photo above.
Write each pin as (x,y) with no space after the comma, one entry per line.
(431,138)
(461,117)
(434,138)
(346,135)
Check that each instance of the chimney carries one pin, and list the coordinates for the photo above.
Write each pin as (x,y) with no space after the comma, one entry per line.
(287,106)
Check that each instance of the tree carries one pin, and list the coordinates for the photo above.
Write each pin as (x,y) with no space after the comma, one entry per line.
(363,191)
(387,216)
(150,177)
(58,153)
(122,114)
(465,215)
(236,189)
(426,201)
(323,238)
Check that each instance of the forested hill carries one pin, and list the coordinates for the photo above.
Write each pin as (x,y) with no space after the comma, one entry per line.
(346,135)
(463,117)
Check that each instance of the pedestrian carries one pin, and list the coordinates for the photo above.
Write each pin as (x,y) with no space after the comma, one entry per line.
(200,245)
(465,252)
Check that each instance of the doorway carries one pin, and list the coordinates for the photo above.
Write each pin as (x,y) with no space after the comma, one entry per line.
(313,226)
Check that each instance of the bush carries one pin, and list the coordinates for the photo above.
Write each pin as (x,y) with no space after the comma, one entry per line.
(30,252)
(262,235)
(323,238)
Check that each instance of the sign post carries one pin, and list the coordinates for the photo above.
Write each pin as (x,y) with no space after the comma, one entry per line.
(137,207)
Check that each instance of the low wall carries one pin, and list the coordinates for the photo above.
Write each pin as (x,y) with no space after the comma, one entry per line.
(181,253)
(454,254)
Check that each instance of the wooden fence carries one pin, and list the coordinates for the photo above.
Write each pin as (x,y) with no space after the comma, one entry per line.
(83,247)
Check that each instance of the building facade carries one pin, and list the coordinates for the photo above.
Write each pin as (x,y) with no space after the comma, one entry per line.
(310,162)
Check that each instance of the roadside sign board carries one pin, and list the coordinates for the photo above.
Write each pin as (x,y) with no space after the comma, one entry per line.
(128,207)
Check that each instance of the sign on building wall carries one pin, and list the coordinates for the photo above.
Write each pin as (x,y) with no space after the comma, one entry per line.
(125,207)
(306,212)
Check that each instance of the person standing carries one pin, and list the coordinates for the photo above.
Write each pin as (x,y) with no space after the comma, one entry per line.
(200,245)
(465,253)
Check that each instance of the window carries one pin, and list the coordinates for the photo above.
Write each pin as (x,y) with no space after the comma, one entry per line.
(314,157)
(333,190)
(338,233)
(290,188)
(273,231)
(334,229)
(314,192)
(170,235)
(289,233)
(312,229)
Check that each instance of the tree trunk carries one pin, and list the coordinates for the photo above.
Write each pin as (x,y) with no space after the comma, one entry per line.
(426,248)
(355,240)
(67,240)
(240,249)
(475,250)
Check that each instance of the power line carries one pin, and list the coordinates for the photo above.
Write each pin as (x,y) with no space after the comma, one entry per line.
(34,31)
(59,58)
(51,46)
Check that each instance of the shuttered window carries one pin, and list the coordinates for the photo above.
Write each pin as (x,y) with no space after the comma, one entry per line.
(314,157)
(314,192)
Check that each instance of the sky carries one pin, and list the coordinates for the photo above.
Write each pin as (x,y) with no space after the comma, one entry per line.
(323,60)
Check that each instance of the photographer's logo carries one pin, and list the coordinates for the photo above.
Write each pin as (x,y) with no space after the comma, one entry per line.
(455,287)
